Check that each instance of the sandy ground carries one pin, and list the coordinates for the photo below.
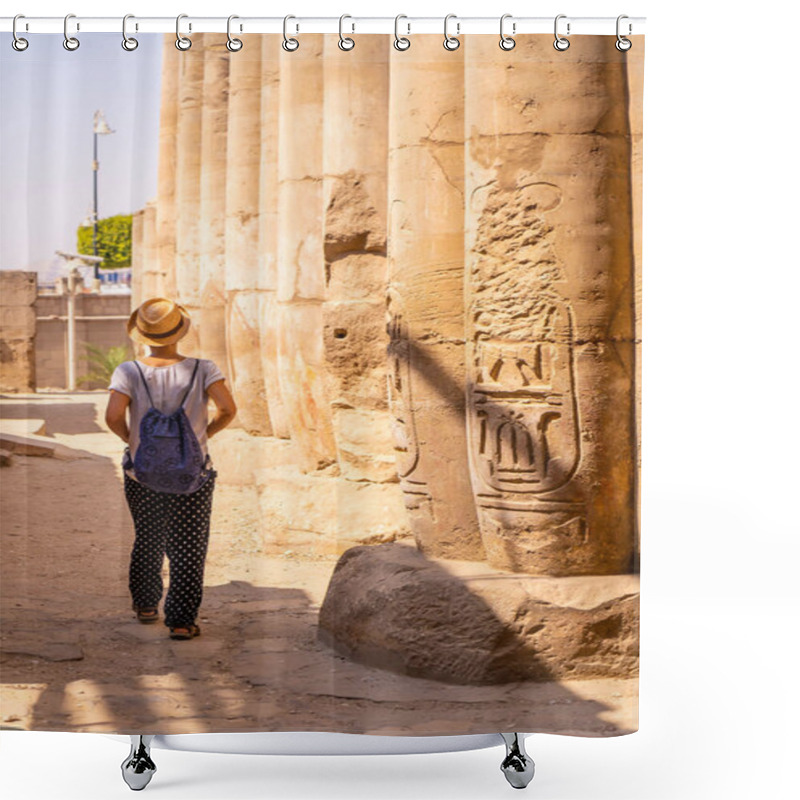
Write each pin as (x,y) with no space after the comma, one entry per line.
(73,657)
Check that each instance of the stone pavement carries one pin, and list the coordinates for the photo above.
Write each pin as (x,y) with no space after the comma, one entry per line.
(74,658)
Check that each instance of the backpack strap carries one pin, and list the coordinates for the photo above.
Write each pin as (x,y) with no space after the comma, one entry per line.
(191,382)
(146,387)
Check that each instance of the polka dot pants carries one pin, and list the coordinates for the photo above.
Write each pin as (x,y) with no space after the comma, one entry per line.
(178,525)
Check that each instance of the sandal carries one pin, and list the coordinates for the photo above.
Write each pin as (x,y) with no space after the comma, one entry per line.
(184,632)
(146,613)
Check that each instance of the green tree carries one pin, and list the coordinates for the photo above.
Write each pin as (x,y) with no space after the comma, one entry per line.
(113,241)
(103,363)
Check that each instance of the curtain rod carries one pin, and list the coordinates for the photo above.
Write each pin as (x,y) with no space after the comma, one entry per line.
(407,25)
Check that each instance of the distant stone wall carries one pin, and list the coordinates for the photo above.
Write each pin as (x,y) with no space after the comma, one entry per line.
(51,335)
(17,331)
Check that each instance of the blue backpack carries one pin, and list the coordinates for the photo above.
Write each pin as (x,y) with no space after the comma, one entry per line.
(169,457)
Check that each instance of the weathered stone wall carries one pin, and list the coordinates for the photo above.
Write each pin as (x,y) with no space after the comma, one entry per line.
(17,331)
(418,270)
(51,334)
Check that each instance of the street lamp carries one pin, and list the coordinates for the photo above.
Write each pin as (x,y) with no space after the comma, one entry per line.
(100,127)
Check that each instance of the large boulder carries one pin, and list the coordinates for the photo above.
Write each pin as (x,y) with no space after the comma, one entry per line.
(464,622)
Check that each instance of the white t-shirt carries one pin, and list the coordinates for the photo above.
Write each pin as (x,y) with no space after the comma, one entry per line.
(167,386)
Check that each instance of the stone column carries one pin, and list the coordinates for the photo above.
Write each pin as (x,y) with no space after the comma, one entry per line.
(425,299)
(301,265)
(137,258)
(210,315)
(151,276)
(187,187)
(354,197)
(242,275)
(635,70)
(550,304)
(268,226)
(167,163)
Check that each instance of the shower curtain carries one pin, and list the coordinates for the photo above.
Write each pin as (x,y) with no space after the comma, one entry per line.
(419,273)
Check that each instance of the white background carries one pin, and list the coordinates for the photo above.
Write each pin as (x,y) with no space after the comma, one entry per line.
(719,684)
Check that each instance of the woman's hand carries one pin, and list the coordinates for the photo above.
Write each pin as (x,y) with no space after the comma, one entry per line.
(116,420)
(226,407)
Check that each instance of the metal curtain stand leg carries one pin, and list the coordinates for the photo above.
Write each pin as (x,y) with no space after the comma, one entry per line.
(138,768)
(517,766)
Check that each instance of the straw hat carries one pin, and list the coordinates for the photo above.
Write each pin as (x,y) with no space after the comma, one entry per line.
(159,321)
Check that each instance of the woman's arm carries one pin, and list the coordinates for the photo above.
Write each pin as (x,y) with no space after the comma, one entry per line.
(118,402)
(226,407)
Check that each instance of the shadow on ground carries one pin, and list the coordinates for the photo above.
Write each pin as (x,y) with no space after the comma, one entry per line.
(74,658)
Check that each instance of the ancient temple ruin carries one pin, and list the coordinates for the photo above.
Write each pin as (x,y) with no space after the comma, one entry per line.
(419,271)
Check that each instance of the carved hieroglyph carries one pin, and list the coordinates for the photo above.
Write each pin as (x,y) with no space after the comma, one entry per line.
(401,402)
(549,323)
(425,302)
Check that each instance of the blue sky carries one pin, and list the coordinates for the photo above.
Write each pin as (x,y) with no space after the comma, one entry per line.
(48,97)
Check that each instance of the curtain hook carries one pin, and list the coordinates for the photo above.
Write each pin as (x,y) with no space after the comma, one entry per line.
(289,44)
(507,42)
(450,42)
(622,44)
(233,45)
(345,42)
(182,42)
(560,43)
(18,43)
(400,42)
(70,42)
(128,42)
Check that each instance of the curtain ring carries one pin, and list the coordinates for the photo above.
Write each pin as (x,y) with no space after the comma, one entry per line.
(233,45)
(560,43)
(182,42)
(450,42)
(128,42)
(345,42)
(622,44)
(400,42)
(506,42)
(18,43)
(70,42)
(289,44)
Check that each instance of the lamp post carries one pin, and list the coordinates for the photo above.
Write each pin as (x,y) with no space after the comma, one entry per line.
(100,127)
